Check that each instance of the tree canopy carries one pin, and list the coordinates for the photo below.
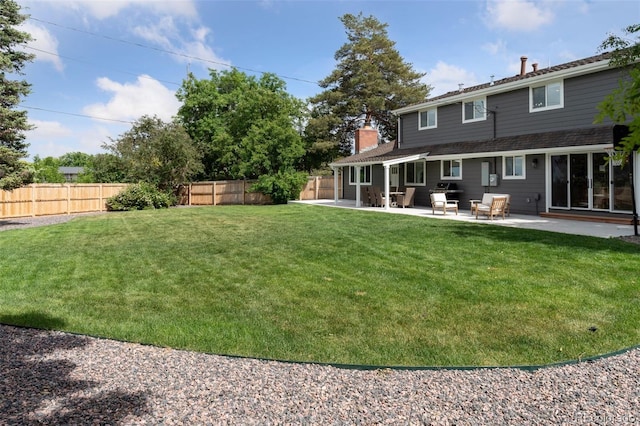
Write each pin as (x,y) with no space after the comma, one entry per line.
(623,104)
(245,127)
(13,122)
(370,80)
(156,152)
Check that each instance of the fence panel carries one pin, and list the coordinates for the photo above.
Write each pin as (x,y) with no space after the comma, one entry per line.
(224,192)
(320,188)
(52,199)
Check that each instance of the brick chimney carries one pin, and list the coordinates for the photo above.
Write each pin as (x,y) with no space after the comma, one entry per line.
(366,139)
(523,65)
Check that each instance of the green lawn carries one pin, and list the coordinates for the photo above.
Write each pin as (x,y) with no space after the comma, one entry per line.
(311,283)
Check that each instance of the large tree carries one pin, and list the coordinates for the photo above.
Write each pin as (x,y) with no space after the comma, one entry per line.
(370,80)
(623,104)
(13,122)
(245,127)
(156,152)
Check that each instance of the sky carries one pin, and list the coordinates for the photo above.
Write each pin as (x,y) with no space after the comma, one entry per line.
(102,64)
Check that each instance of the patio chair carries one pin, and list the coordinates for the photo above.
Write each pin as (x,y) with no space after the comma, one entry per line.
(365,197)
(439,201)
(498,207)
(406,199)
(376,194)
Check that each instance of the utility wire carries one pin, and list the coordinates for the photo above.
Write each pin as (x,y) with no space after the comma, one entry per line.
(94,65)
(77,115)
(157,49)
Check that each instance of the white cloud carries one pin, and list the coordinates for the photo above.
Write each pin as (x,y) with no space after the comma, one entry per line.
(130,101)
(445,78)
(500,46)
(48,130)
(518,15)
(108,9)
(195,48)
(44,43)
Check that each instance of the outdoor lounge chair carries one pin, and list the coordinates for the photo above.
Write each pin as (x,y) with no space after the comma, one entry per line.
(439,202)
(365,197)
(377,199)
(406,199)
(497,208)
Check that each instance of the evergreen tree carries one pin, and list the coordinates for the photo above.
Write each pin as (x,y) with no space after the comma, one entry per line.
(13,123)
(370,80)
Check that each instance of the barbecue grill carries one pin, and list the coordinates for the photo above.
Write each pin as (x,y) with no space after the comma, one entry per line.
(449,188)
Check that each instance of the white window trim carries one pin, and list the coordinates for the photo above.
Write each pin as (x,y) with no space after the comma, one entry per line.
(546,108)
(353,183)
(443,177)
(473,120)
(424,168)
(420,126)
(513,177)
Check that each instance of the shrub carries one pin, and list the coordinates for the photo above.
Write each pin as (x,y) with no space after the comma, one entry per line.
(282,187)
(139,196)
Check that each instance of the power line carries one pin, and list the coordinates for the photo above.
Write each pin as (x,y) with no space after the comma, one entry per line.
(157,49)
(77,115)
(93,64)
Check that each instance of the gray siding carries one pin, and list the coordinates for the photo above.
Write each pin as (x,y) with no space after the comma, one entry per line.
(581,97)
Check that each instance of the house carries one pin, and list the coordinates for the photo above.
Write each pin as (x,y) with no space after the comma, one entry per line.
(531,135)
(70,173)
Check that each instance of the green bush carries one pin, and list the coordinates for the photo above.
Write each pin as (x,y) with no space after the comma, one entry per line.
(140,196)
(283,186)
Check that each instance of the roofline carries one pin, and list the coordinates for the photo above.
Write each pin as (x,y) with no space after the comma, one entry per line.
(506,87)
(426,156)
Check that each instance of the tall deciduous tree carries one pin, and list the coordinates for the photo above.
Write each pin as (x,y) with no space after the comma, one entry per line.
(244,126)
(13,122)
(158,153)
(623,104)
(370,80)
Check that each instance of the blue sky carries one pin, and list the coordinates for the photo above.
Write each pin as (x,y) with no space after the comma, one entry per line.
(109,59)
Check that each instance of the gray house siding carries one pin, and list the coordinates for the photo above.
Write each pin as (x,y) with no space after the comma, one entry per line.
(581,97)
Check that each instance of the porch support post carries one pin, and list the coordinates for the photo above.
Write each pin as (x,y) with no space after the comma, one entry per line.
(336,177)
(358,202)
(386,187)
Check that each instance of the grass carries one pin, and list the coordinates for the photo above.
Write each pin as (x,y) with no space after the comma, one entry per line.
(318,284)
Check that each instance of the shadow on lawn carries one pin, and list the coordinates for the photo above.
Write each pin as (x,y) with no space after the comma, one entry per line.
(512,235)
(37,390)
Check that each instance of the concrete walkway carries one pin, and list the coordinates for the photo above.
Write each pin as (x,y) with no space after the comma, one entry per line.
(594,229)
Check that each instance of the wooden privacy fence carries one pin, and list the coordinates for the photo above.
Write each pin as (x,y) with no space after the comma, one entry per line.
(55,198)
(43,199)
(222,192)
(320,188)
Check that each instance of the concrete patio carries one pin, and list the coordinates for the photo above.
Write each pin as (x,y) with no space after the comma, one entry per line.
(595,229)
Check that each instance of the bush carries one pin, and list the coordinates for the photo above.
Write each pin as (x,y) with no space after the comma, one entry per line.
(282,187)
(140,196)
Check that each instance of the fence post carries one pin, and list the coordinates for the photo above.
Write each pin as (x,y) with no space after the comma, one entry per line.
(33,200)
(213,193)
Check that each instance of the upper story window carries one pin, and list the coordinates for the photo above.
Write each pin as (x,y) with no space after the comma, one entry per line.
(548,96)
(474,110)
(428,119)
(451,169)
(414,173)
(513,167)
(365,175)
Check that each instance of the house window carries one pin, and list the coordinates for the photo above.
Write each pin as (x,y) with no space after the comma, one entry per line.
(414,173)
(428,119)
(549,96)
(514,167)
(365,175)
(474,110)
(451,169)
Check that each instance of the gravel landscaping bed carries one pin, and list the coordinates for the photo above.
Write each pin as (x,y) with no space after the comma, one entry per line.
(58,378)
